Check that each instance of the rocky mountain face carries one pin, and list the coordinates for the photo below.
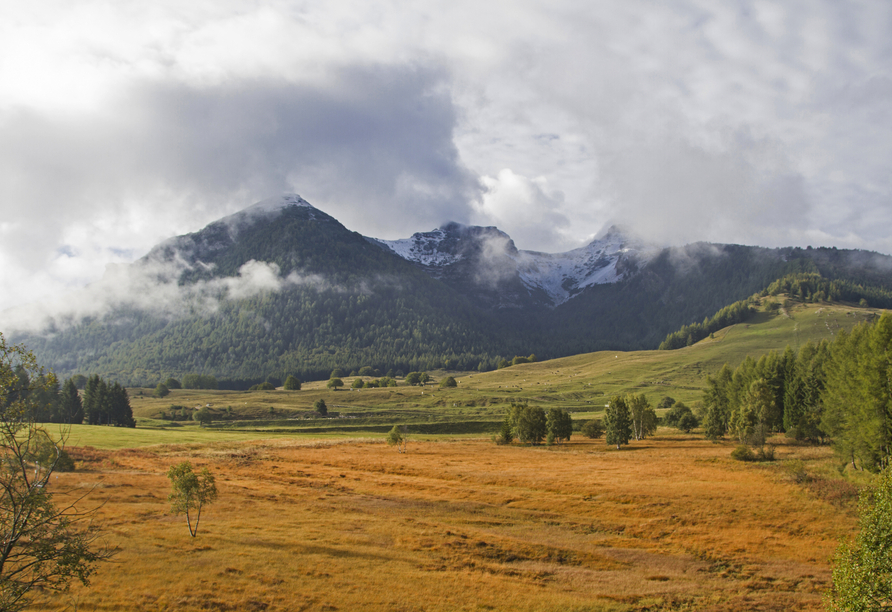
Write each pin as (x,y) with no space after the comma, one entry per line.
(485,260)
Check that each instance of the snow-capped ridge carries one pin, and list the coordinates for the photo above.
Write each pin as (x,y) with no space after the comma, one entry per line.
(560,275)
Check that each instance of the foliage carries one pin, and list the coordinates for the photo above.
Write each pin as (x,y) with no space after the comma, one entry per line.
(506,433)
(593,429)
(618,422)
(172,383)
(71,407)
(334,384)
(203,416)
(528,423)
(665,403)
(161,391)
(448,382)
(738,312)
(688,422)
(743,453)
(558,424)
(746,453)
(644,418)
(190,492)
(42,547)
(200,381)
(320,407)
(862,572)
(292,383)
(264,386)
(106,404)
(858,395)
(397,437)
(674,414)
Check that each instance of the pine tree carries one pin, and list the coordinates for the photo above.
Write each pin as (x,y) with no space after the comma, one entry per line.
(71,408)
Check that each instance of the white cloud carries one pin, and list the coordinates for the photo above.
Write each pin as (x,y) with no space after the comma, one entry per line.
(748,121)
(152,286)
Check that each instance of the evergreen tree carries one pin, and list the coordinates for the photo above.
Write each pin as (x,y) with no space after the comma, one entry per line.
(855,414)
(717,404)
(120,412)
(92,400)
(72,410)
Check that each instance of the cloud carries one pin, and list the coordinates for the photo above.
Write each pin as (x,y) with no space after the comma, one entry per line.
(122,124)
(675,192)
(152,286)
(376,143)
(523,208)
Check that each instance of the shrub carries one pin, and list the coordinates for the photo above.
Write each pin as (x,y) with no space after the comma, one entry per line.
(320,407)
(593,429)
(743,453)
(688,422)
(264,386)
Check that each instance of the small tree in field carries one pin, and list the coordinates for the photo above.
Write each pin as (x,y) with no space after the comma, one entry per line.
(292,383)
(618,422)
(559,424)
(202,416)
(397,438)
(190,492)
(320,407)
(335,383)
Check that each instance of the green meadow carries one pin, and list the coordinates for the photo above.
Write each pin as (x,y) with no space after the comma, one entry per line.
(581,384)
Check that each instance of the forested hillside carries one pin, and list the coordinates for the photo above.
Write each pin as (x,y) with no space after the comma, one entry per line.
(292,291)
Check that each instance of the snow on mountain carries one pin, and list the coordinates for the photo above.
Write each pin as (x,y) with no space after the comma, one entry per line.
(560,275)
(423,248)
(277,203)
(563,275)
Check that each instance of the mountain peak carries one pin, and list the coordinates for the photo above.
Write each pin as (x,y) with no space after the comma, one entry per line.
(277,203)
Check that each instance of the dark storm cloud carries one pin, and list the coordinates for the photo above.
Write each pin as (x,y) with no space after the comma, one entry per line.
(373,144)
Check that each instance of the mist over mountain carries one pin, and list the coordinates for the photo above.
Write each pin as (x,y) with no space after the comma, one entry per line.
(283,288)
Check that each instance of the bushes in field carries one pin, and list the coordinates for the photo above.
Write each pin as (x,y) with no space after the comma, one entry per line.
(533,424)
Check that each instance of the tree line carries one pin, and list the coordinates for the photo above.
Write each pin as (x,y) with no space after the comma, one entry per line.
(102,402)
(838,391)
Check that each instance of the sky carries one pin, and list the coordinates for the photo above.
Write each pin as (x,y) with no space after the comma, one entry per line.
(125,123)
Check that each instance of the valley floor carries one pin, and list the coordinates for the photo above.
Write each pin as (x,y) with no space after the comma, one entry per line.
(669,523)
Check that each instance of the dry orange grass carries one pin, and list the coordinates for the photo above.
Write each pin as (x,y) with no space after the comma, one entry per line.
(664,524)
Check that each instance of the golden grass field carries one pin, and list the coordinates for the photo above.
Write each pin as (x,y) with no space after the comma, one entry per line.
(668,523)
(319,514)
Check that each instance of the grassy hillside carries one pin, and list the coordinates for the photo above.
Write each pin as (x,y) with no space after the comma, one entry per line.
(581,384)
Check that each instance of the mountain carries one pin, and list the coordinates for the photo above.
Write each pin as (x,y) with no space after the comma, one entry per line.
(283,288)
(480,257)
